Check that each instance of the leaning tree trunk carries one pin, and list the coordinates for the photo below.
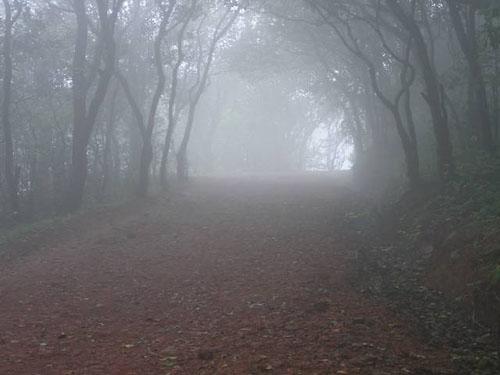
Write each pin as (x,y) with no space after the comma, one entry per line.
(147,129)
(172,120)
(433,95)
(147,151)
(407,138)
(220,30)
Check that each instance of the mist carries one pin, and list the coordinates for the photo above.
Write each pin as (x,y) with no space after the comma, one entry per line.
(249,186)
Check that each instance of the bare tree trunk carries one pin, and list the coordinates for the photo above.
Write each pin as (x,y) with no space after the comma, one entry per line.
(11,176)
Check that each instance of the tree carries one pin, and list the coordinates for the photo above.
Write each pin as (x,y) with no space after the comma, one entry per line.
(333,18)
(110,128)
(84,117)
(172,120)
(434,95)
(203,65)
(463,18)
(147,128)
(11,171)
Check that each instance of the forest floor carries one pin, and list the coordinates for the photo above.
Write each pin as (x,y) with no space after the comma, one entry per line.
(230,276)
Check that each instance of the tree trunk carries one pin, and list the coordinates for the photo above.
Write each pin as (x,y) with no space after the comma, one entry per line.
(357,132)
(107,153)
(147,129)
(496,96)
(84,118)
(172,123)
(433,95)
(408,140)
(468,43)
(182,162)
(145,166)
(78,174)
(165,153)
(145,159)
(220,30)
(11,177)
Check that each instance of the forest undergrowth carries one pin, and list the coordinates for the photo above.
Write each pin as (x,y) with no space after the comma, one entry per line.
(435,256)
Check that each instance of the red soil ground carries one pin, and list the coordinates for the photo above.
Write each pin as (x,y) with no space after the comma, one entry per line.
(233,276)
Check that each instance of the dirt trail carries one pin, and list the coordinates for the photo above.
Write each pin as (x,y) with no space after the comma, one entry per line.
(234,276)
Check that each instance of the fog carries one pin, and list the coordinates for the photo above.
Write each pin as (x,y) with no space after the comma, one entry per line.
(175,88)
(249,186)
(109,99)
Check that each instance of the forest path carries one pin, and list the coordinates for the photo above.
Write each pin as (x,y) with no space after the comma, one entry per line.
(233,276)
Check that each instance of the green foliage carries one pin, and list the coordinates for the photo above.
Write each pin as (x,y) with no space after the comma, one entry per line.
(491,11)
(491,204)
(22,231)
(478,184)
(479,165)
(495,276)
